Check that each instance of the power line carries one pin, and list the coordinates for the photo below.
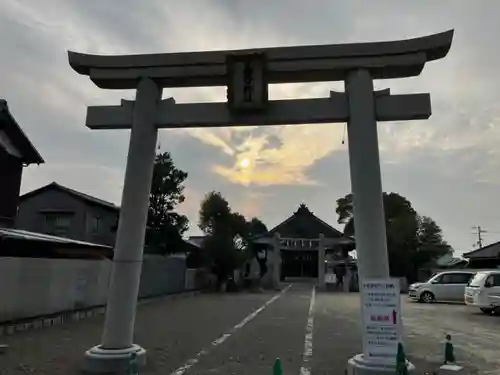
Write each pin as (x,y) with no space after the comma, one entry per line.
(489,217)
(479,232)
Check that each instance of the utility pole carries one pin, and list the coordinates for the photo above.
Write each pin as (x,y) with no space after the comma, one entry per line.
(479,237)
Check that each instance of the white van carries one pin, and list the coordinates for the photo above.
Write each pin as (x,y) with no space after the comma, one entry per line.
(443,286)
(483,292)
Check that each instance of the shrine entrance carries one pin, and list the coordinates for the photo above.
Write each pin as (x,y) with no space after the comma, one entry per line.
(302,241)
(297,263)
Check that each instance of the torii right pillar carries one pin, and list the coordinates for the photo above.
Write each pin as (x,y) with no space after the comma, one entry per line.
(366,185)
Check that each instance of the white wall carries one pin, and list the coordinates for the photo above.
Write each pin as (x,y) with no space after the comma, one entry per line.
(162,275)
(190,283)
(31,287)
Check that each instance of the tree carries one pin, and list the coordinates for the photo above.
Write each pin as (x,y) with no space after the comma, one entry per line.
(240,228)
(431,244)
(215,213)
(228,242)
(221,227)
(345,209)
(398,211)
(412,240)
(255,228)
(166,227)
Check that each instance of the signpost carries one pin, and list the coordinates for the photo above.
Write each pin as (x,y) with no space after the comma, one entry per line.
(381,309)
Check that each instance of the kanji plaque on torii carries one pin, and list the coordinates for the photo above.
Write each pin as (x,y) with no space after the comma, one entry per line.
(247,88)
(247,74)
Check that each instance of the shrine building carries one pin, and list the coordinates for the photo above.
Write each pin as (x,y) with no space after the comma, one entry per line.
(298,239)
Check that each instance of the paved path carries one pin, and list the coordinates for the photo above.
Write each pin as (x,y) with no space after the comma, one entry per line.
(243,334)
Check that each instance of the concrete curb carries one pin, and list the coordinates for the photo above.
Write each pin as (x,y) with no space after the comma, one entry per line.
(76,316)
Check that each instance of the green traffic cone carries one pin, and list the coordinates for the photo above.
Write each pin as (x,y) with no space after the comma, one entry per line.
(277,370)
(133,368)
(401,366)
(449,355)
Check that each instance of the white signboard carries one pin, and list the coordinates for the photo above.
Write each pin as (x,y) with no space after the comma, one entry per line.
(381,309)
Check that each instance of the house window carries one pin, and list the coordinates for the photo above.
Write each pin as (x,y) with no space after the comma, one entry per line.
(58,224)
(95,224)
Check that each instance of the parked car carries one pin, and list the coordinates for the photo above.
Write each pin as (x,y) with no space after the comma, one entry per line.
(484,292)
(443,286)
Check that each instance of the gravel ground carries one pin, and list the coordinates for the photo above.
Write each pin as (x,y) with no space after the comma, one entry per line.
(171,330)
(174,331)
(475,336)
(277,332)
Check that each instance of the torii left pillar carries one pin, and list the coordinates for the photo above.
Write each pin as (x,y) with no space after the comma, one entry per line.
(321,262)
(276,261)
(113,354)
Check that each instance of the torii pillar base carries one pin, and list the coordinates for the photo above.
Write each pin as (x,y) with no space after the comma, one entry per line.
(358,365)
(112,361)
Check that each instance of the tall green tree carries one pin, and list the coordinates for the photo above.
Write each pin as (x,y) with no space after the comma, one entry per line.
(412,240)
(256,228)
(224,253)
(215,213)
(228,236)
(240,229)
(165,227)
(430,240)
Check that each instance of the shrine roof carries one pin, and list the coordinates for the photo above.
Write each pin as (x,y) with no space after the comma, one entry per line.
(305,225)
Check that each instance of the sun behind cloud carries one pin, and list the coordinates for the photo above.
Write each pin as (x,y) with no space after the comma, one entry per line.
(245,163)
(264,161)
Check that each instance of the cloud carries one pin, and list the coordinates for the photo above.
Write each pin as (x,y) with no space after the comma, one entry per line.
(288,164)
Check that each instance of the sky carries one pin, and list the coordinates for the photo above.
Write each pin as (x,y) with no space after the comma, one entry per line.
(447,166)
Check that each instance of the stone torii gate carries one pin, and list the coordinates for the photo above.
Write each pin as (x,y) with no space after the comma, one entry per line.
(247,74)
(319,244)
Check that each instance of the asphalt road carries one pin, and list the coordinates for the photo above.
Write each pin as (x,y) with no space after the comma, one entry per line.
(244,333)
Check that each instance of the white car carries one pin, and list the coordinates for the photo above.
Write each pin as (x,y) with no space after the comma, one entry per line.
(484,292)
(443,286)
